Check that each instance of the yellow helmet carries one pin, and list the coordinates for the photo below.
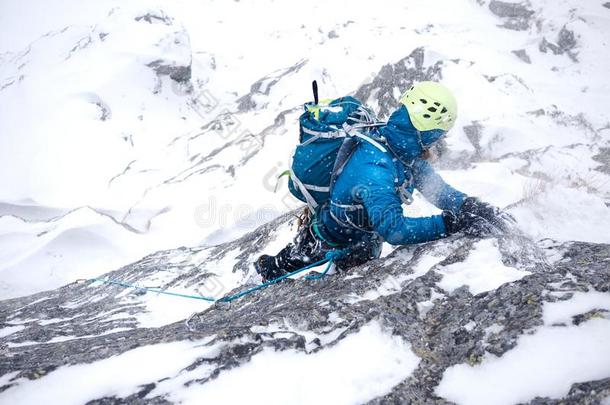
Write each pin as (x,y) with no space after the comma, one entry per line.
(431,106)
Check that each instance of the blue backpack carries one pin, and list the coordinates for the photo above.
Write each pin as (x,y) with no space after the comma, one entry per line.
(329,131)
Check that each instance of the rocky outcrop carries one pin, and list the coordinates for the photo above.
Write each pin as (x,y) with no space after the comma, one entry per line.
(395,78)
(179,67)
(174,46)
(80,323)
(263,86)
(516,16)
(522,54)
(603,157)
(565,44)
(179,73)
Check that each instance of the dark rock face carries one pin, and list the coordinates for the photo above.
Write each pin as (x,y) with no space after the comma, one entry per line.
(604,158)
(176,72)
(397,78)
(263,86)
(474,133)
(80,323)
(178,68)
(566,43)
(522,54)
(155,17)
(333,34)
(516,16)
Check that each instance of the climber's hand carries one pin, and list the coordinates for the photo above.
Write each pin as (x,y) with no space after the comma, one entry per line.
(478,218)
(451,222)
(484,217)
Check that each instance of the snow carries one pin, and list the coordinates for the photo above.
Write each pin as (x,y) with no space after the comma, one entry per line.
(564,213)
(140,164)
(9,330)
(495,328)
(332,375)
(543,364)
(393,284)
(579,303)
(470,326)
(312,340)
(90,381)
(482,181)
(165,309)
(482,270)
(80,244)
(6,378)
(423,307)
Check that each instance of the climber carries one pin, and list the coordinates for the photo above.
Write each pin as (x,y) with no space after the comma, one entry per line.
(363,207)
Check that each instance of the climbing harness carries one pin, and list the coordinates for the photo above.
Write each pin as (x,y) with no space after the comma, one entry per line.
(329,258)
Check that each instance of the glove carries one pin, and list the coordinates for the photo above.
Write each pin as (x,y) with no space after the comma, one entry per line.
(451,222)
(476,210)
(477,218)
(469,224)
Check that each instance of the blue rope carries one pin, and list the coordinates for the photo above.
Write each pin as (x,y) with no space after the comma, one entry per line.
(156,290)
(329,258)
(275,280)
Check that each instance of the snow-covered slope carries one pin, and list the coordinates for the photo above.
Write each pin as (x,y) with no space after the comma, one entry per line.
(130,129)
(492,321)
(174,120)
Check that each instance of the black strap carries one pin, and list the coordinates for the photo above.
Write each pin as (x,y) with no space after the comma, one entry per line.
(347,149)
(314,86)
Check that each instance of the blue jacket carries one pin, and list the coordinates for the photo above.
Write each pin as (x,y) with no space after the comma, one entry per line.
(365,198)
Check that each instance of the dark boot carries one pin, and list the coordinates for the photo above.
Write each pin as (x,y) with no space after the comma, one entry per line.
(267,267)
(305,250)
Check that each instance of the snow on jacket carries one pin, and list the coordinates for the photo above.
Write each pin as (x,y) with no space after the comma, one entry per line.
(365,199)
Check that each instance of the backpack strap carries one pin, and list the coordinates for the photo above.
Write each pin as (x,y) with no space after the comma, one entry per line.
(343,132)
(304,189)
(315,135)
(371,141)
(353,130)
(348,147)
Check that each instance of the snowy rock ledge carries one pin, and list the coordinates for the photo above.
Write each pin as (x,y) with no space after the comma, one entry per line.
(403,329)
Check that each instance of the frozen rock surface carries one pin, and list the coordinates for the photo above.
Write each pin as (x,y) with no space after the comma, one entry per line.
(517,16)
(81,324)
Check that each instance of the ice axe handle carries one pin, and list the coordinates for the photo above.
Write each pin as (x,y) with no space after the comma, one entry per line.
(314,86)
